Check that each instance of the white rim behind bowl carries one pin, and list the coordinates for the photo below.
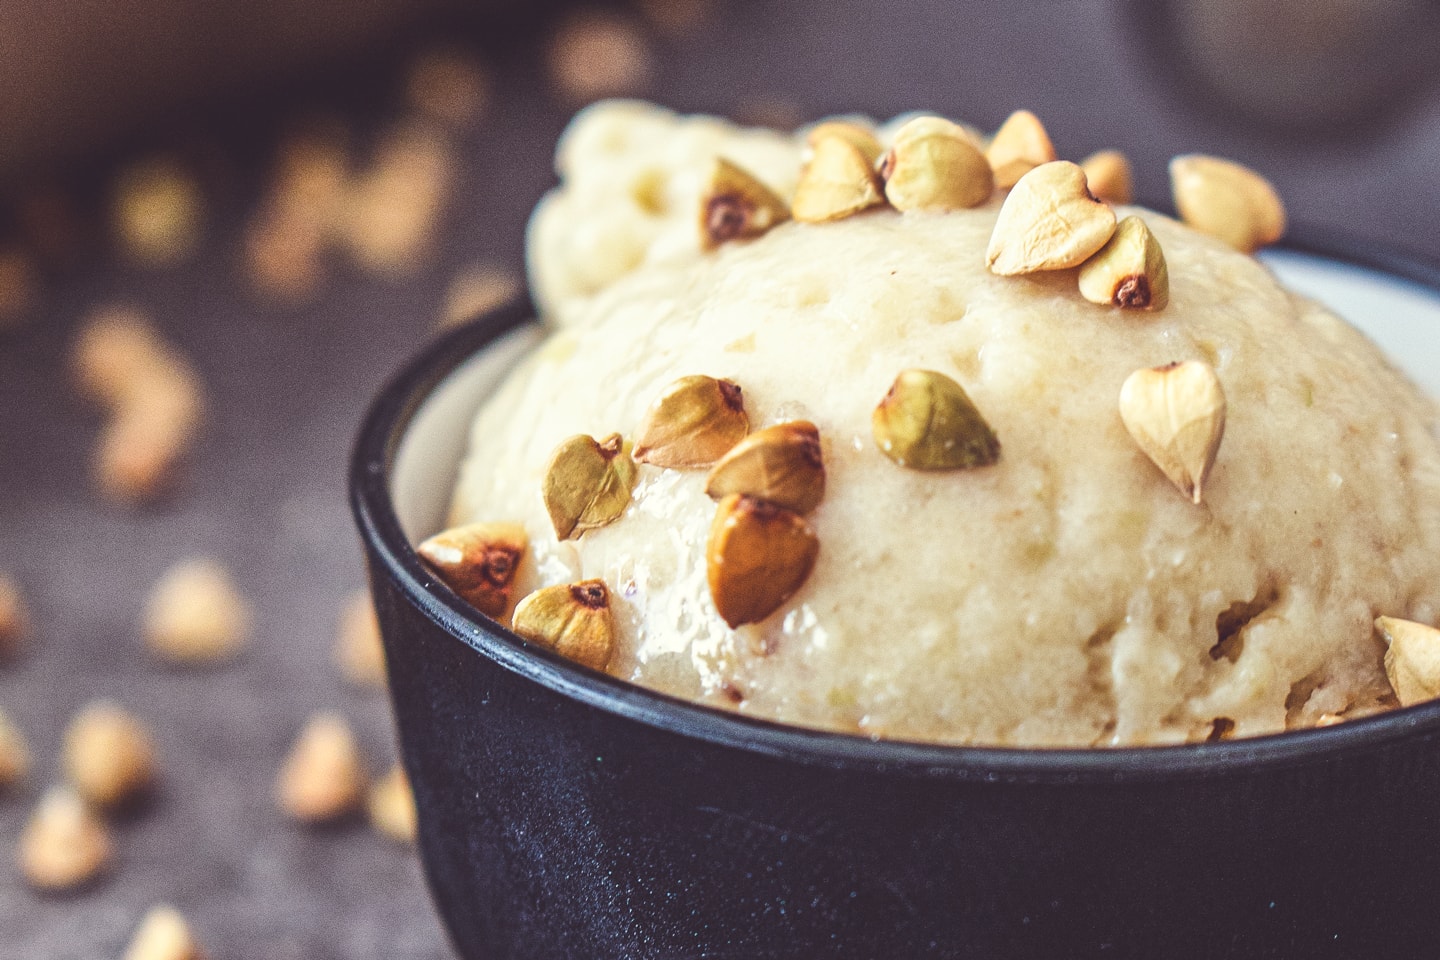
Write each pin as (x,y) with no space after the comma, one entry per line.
(1402,316)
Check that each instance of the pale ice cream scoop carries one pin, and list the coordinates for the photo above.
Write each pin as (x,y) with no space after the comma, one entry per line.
(1065,594)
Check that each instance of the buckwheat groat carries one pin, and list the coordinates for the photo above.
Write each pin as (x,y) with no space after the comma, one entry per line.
(323,777)
(108,755)
(1028,518)
(154,397)
(633,178)
(357,650)
(163,934)
(64,844)
(195,614)
(391,806)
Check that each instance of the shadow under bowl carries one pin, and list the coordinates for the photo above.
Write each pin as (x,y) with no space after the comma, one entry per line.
(567,814)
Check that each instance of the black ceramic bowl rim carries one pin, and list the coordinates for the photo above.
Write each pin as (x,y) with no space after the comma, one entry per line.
(391,413)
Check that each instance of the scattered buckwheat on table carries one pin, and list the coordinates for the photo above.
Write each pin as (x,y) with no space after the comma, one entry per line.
(64,845)
(323,778)
(153,395)
(195,614)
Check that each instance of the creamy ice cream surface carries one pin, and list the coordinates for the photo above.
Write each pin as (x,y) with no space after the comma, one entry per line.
(1067,594)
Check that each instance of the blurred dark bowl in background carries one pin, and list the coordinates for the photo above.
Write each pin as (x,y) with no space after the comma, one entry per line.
(1326,69)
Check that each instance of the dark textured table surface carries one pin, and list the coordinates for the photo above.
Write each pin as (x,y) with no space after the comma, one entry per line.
(265,490)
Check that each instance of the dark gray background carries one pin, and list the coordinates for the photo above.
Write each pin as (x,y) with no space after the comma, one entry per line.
(266,488)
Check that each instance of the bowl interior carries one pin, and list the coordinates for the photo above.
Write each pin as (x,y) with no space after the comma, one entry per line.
(427,462)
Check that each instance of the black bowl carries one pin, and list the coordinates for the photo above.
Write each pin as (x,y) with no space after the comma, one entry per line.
(566,814)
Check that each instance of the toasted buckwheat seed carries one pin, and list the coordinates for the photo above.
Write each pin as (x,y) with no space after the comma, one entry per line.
(1176,415)
(1129,271)
(14,619)
(587,483)
(927,421)
(1412,659)
(1050,221)
(323,777)
(392,806)
(573,619)
(286,241)
(781,464)
(757,556)
(153,395)
(163,934)
(108,755)
(479,561)
(1019,146)
(358,651)
(934,165)
(1108,173)
(64,845)
(735,205)
(839,181)
(860,136)
(195,615)
(693,423)
(1227,200)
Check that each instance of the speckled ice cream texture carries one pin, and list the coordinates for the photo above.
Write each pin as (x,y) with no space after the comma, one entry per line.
(1067,595)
